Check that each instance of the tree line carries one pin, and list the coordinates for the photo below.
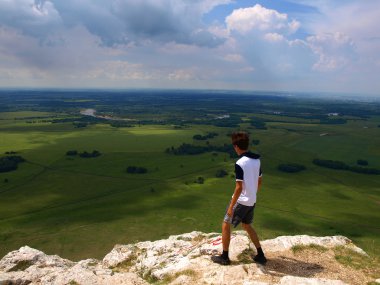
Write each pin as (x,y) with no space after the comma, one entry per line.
(205,137)
(136,170)
(84,154)
(340,165)
(190,149)
(291,167)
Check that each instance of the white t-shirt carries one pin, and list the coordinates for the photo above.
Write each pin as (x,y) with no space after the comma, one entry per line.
(248,170)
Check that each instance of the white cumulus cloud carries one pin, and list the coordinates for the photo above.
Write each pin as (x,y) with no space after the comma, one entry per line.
(334,51)
(260,18)
(273,37)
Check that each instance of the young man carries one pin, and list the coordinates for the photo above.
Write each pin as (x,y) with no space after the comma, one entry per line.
(242,205)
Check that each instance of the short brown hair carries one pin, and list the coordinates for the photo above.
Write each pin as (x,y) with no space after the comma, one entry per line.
(240,139)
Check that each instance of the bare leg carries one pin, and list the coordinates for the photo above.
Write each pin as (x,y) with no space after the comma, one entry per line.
(252,234)
(226,235)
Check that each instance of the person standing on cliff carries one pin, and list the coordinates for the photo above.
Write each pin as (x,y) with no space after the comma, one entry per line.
(241,207)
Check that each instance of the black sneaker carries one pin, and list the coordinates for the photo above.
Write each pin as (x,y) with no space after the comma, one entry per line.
(261,259)
(220,260)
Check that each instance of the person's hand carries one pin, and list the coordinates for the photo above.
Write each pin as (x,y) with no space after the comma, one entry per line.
(230,212)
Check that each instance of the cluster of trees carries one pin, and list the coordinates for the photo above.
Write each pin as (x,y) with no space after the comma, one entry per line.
(206,137)
(258,123)
(136,170)
(221,173)
(11,152)
(362,162)
(200,180)
(328,121)
(79,124)
(72,152)
(333,164)
(255,142)
(120,124)
(291,167)
(37,121)
(84,154)
(190,149)
(10,163)
(83,119)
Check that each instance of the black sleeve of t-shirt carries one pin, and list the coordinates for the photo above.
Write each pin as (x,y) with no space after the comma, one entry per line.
(239,173)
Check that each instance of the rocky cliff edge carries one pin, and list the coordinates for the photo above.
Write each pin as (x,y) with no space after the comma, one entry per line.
(185,259)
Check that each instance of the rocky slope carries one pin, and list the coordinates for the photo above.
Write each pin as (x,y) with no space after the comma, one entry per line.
(185,259)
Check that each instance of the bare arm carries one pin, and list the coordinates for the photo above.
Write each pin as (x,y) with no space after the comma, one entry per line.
(237,192)
(259,184)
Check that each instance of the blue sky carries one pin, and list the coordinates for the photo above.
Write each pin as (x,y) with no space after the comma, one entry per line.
(304,45)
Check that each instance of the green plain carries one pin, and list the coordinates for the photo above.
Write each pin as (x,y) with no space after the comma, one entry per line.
(80,208)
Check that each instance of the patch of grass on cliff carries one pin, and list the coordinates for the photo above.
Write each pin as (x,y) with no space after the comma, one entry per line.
(246,256)
(126,264)
(316,247)
(171,277)
(22,265)
(353,259)
(349,258)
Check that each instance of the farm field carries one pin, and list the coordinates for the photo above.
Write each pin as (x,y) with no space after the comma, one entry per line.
(81,207)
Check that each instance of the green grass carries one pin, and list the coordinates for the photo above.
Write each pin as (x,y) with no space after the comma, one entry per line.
(246,256)
(80,208)
(355,260)
(316,247)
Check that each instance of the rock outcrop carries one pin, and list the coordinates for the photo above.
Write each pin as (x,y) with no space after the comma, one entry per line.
(185,259)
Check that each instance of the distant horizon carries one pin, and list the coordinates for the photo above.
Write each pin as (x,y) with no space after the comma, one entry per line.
(315,94)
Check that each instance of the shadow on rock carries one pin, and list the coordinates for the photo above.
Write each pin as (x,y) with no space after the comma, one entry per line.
(281,266)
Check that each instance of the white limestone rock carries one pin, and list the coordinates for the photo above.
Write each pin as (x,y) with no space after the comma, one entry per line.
(287,242)
(28,265)
(22,259)
(184,258)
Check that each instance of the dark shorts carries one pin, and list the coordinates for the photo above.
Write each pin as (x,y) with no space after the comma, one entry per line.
(242,214)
